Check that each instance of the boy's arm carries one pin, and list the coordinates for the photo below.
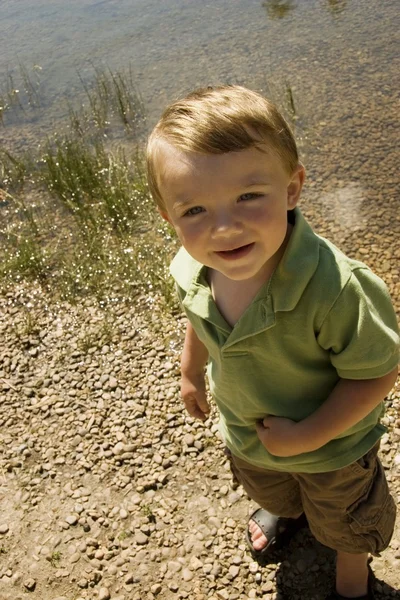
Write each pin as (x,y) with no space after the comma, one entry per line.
(349,402)
(193,390)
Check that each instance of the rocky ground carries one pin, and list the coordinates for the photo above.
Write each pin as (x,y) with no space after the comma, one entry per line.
(108,490)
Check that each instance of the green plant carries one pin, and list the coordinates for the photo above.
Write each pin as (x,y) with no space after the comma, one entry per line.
(99,188)
(13,169)
(114,95)
(278,9)
(290,101)
(30,87)
(25,260)
(147,511)
(55,558)
(84,223)
(30,325)
(21,91)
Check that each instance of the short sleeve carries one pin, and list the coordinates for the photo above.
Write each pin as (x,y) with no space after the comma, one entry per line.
(360,330)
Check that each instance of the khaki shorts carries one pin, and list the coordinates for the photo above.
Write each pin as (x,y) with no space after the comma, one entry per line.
(350,510)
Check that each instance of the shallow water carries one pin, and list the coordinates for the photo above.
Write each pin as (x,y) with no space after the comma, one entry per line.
(340,59)
(323,48)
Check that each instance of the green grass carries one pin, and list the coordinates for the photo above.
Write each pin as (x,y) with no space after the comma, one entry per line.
(13,170)
(99,187)
(78,219)
(55,559)
(20,93)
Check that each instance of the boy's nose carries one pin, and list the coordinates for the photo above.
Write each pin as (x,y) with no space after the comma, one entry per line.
(225,225)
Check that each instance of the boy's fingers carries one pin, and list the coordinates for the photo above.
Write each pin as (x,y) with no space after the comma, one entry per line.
(260,429)
(194,409)
(203,404)
(266,421)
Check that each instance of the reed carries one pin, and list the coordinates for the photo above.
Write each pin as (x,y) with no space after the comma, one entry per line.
(113,97)
(20,93)
(100,188)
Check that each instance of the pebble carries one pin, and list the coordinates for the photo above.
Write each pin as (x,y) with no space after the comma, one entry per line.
(101,437)
(140,538)
(104,594)
(234,571)
(174,566)
(74,558)
(253,567)
(301,565)
(156,589)
(30,584)
(187,574)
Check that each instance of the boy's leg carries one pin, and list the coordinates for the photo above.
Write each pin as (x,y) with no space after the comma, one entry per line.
(275,491)
(352,574)
(351,511)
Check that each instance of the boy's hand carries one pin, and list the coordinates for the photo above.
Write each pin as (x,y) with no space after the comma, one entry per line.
(193,392)
(281,437)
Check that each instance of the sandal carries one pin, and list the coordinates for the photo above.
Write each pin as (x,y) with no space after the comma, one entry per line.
(278,531)
(369,596)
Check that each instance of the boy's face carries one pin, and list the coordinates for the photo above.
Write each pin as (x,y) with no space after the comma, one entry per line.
(229,210)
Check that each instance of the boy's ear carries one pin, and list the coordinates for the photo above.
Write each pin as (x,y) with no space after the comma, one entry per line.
(164,215)
(295,186)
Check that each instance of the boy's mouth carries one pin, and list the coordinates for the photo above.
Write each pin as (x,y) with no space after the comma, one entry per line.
(236,252)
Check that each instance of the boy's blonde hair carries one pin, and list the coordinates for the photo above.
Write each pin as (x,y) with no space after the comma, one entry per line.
(218,120)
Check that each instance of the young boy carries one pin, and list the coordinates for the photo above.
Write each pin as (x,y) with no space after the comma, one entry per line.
(301,342)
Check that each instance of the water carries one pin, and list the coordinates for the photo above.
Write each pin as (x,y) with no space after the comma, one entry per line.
(340,59)
(320,47)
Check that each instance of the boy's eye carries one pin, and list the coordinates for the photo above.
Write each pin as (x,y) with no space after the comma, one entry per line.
(249,196)
(194,211)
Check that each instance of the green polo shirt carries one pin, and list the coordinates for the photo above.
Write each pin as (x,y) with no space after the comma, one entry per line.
(321,317)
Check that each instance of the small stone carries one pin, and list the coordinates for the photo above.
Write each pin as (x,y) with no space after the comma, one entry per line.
(195,563)
(4,528)
(234,571)
(156,589)
(30,584)
(71,519)
(187,574)
(141,539)
(74,558)
(104,594)
(112,383)
(301,565)
(119,448)
(267,587)
(253,568)
(174,566)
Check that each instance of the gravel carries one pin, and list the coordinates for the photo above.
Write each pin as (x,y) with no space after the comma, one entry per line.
(109,491)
